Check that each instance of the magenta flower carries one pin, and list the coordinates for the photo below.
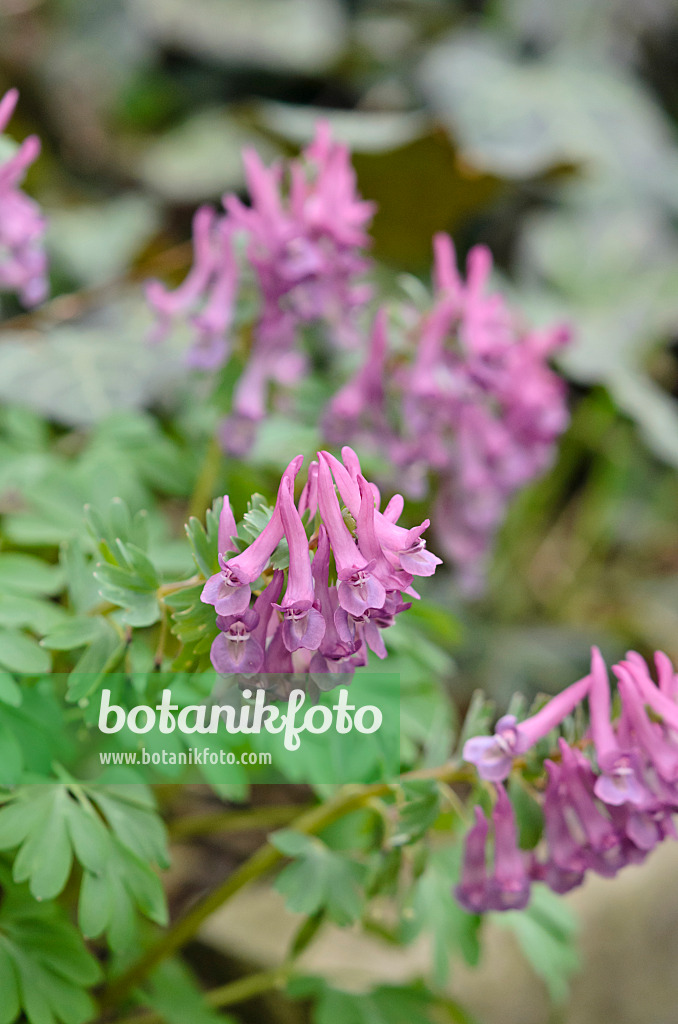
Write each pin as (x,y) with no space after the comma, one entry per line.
(333,653)
(600,814)
(464,396)
(235,649)
(619,782)
(304,242)
(23,263)
(509,887)
(493,755)
(323,626)
(303,625)
(229,590)
(358,589)
(472,891)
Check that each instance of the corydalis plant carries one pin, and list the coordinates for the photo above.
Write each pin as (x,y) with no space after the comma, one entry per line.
(342,585)
(23,264)
(606,800)
(464,395)
(303,239)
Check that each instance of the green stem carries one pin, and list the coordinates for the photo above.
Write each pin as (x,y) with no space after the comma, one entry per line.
(348,799)
(207,478)
(234,821)
(226,995)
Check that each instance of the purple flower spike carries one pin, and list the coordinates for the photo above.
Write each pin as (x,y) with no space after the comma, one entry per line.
(23,264)
(472,891)
(510,884)
(464,396)
(236,649)
(327,626)
(169,306)
(303,624)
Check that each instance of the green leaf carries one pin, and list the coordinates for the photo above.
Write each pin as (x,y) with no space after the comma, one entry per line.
(131,813)
(434,909)
(72,634)
(195,626)
(418,813)
(546,931)
(99,658)
(204,540)
(10,692)
(24,574)
(47,875)
(319,878)
(173,992)
(10,1004)
(20,653)
(386,1004)
(78,569)
(44,966)
(31,612)
(108,901)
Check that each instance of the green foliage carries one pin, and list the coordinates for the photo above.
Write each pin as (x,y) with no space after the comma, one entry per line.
(174,993)
(126,576)
(432,908)
(114,835)
(45,969)
(546,931)
(397,1004)
(318,878)
(418,812)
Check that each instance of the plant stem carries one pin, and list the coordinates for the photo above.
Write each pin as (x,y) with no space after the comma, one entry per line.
(226,995)
(234,821)
(202,495)
(349,798)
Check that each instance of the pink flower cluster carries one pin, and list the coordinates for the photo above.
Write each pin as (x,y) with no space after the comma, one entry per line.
(304,236)
(23,264)
(466,396)
(604,806)
(319,624)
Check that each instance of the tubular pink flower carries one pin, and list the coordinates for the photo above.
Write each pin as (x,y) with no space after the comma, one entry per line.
(308,502)
(369,545)
(493,755)
(303,625)
(358,588)
(227,528)
(236,649)
(619,782)
(328,627)
(510,885)
(230,589)
(468,400)
(472,890)
(657,700)
(648,736)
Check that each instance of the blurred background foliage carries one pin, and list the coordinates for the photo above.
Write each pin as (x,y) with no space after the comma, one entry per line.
(547,131)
